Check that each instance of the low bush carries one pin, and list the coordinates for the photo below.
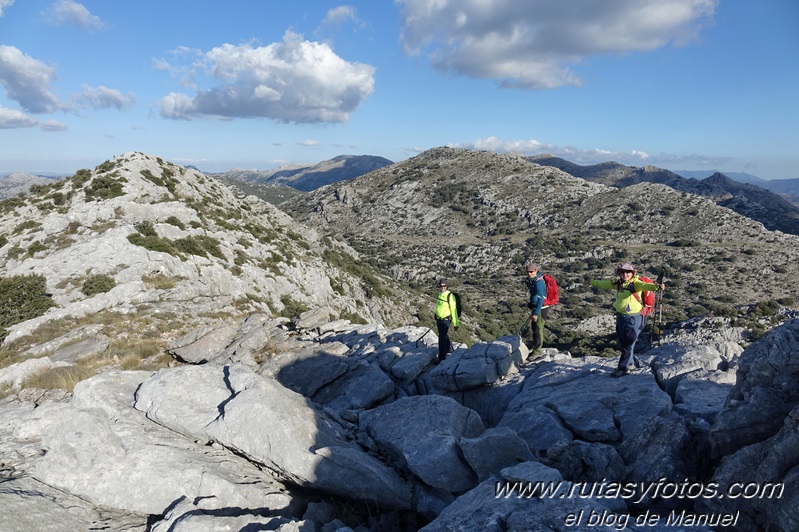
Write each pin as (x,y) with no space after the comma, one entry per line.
(104,187)
(22,298)
(98,284)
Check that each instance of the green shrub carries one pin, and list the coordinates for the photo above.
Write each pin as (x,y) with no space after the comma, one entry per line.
(352,317)
(14,252)
(57,198)
(146,228)
(98,284)
(174,220)
(25,226)
(291,308)
(201,246)
(81,177)
(191,246)
(104,187)
(153,243)
(39,190)
(683,243)
(106,166)
(3,241)
(165,180)
(35,247)
(22,298)
(765,308)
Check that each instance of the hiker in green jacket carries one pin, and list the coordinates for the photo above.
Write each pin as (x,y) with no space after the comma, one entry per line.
(446,316)
(628,307)
(538,293)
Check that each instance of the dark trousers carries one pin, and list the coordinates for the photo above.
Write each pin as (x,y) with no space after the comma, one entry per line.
(444,345)
(538,329)
(628,326)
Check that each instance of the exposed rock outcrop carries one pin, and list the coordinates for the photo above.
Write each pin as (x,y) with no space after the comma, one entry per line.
(766,390)
(219,443)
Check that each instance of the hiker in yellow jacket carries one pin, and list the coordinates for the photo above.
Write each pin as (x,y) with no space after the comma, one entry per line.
(446,316)
(628,307)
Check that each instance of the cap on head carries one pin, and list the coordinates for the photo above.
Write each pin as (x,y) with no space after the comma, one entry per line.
(625,267)
(530,266)
(442,282)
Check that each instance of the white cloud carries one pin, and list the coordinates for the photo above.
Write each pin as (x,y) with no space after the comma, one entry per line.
(339,15)
(535,43)
(71,12)
(27,81)
(589,156)
(524,147)
(52,125)
(290,81)
(309,143)
(15,119)
(415,149)
(104,98)
(5,4)
(572,154)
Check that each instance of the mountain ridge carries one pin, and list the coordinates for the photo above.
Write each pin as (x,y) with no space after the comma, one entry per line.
(758,203)
(468,215)
(309,177)
(474,217)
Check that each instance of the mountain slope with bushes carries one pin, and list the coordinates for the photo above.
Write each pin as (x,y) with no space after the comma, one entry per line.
(148,237)
(753,201)
(474,217)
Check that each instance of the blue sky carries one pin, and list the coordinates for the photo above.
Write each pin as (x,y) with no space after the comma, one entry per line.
(679,84)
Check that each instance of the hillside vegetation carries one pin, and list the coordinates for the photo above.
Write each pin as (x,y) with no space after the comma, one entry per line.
(167,249)
(755,202)
(474,217)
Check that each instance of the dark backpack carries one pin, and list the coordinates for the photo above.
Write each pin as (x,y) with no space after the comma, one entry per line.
(457,297)
(552,291)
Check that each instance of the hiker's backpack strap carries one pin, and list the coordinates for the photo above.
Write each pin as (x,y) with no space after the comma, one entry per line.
(636,295)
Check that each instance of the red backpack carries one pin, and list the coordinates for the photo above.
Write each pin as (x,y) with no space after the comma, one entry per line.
(552,291)
(647,297)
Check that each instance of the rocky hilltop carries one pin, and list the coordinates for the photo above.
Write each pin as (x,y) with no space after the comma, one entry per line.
(753,201)
(475,216)
(172,241)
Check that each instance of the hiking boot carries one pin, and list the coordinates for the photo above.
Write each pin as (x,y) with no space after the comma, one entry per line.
(637,362)
(620,372)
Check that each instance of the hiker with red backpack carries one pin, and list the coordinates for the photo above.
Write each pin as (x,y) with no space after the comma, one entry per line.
(634,300)
(543,294)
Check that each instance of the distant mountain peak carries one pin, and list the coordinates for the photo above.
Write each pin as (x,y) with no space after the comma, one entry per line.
(306,178)
(760,204)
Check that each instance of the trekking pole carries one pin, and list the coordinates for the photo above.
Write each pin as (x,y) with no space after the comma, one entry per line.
(526,323)
(659,305)
(422,336)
